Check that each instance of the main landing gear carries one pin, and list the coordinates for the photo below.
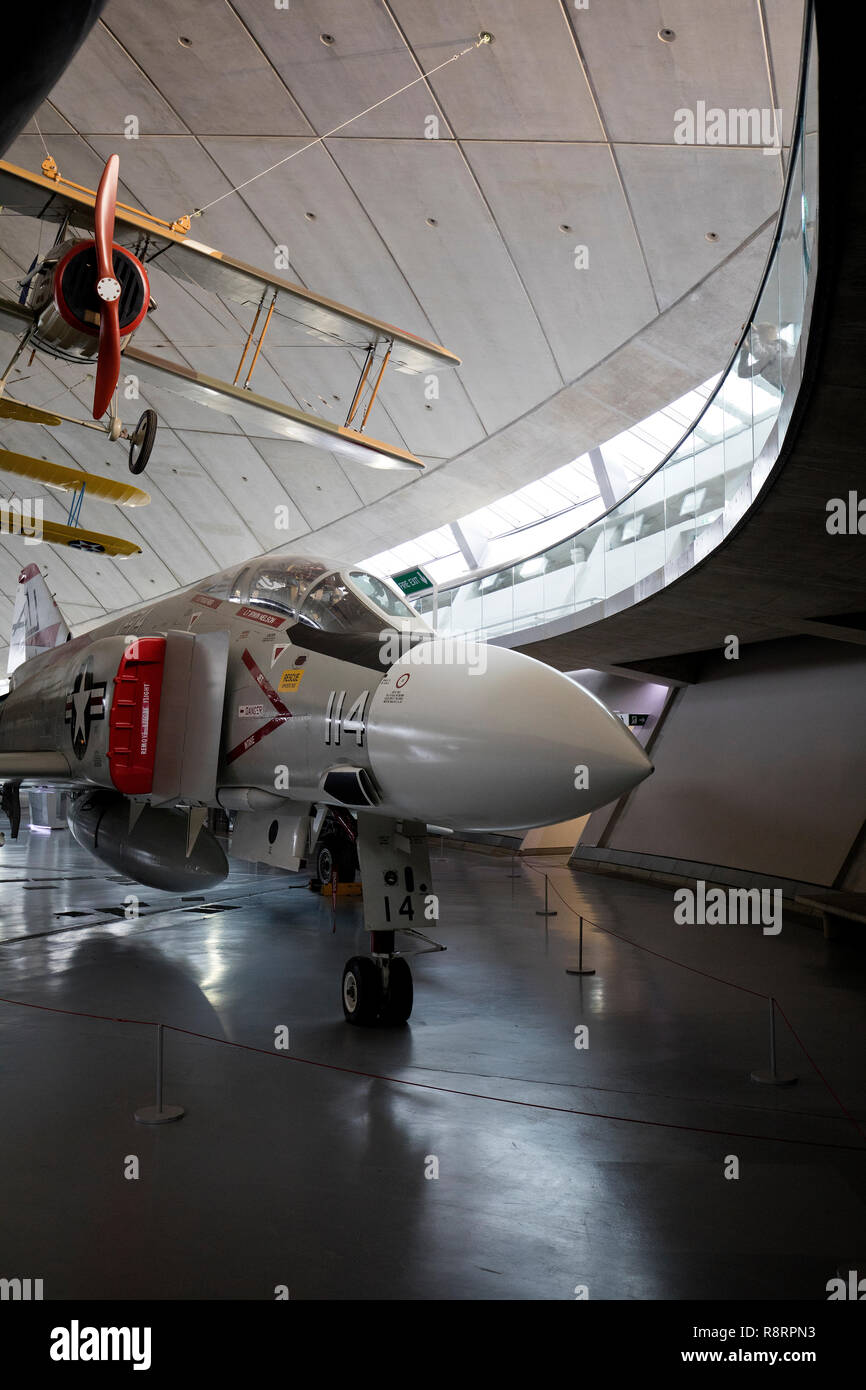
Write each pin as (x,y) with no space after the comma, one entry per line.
(395,870)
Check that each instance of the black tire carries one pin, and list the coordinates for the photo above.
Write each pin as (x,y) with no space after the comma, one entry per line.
(325,861)
(333,852)
(362,991)
(397,1003)
(141,442)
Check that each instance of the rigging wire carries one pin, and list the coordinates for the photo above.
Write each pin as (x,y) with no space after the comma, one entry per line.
(483,38)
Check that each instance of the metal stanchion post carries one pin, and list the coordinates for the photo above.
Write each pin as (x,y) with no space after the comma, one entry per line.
(158,1114)
(772,1077)
(570,970)
(548,912)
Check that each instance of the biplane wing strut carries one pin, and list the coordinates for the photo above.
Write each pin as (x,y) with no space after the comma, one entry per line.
(254,412)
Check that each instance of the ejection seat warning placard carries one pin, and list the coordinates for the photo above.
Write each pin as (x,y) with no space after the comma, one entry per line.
(290,680)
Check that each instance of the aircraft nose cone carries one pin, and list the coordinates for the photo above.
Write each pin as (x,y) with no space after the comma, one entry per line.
(483,738)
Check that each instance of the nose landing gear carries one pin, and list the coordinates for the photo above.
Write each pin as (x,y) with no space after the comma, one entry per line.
(377,990)
(395,870)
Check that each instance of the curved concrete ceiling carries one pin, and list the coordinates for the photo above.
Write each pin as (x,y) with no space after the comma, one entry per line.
(785,569)
(566,120)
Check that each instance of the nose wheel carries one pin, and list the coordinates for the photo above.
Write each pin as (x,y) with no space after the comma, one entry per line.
(377,991)
(395,872)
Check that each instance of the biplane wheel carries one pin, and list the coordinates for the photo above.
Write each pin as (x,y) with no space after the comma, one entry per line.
(142,441)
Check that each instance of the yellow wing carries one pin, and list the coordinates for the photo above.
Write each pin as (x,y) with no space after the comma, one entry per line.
(58,533)
(16,410)
(70,479)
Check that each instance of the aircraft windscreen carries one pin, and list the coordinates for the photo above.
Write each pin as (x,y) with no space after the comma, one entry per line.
(382,596)
(279,589)
(309,591)
(334,606)
(276,585)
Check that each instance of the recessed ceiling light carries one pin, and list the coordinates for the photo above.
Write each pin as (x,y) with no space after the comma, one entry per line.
(328,39)
(667,35)
(310,216)
(184,41)
(564,227)
(431,222)
(711,236)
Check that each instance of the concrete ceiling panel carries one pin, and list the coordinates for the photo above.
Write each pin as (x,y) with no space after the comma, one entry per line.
(460,265)
(527,85)
(717,57)
(243,476)
(49,120)
(332,83)
(589,284)
(734,191)
(104,86)
(189,488)
(221,82)
(317,485)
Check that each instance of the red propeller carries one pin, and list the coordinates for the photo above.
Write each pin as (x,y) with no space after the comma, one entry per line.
(108,290)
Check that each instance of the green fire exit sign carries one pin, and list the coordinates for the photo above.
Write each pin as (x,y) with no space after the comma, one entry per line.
(412,581)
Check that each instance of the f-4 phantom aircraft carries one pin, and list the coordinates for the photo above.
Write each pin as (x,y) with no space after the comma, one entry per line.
(306,698)
(90,293)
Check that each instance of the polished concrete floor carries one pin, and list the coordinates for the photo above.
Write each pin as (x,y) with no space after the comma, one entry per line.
(281,1173)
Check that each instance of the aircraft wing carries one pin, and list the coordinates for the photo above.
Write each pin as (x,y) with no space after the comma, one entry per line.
(246,407)
(57,475)
(58,533)
(256,411)
(30,414)
(34,195)
(14,318)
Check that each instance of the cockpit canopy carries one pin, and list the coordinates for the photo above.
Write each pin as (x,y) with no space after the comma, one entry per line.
(314,592)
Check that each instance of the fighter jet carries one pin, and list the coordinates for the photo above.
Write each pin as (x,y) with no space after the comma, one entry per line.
(308,700)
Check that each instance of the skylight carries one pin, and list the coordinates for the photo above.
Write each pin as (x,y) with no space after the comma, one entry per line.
(550,508)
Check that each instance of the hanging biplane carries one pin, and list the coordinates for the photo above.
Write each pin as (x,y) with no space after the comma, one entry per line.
(75,481)
(87,296)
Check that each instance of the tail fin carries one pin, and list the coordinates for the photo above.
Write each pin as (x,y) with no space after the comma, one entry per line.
(37,624)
